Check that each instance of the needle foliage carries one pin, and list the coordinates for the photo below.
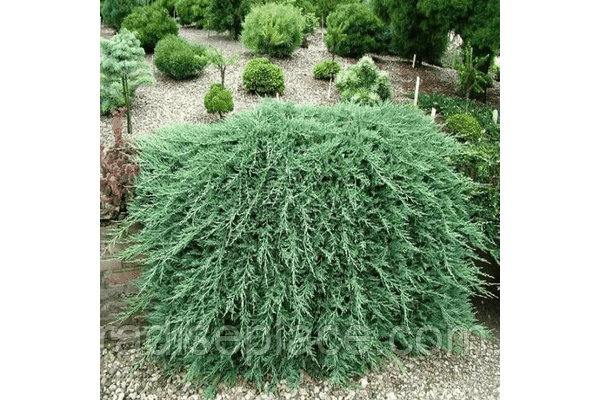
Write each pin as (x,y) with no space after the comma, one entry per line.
(289,238)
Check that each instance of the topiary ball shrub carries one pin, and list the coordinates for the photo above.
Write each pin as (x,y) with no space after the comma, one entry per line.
(150,24)
(273,29)
(178,58)
(464,126)
(295,237)
(263,77)
(362,29)
(218,100)
(364,83)
(326,69)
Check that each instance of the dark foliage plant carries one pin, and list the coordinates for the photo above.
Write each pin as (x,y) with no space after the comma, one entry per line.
(228,15)
(118,168)
(413,29)
(295,237)
(114,11)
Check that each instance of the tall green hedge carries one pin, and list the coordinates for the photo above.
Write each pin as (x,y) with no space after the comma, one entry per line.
(290,238)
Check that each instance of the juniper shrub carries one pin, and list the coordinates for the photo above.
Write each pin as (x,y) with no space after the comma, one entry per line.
(277,236)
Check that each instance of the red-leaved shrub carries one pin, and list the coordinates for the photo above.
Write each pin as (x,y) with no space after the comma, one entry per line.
(118,168)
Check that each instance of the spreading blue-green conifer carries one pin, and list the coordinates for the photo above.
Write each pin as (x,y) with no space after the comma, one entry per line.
(290,238)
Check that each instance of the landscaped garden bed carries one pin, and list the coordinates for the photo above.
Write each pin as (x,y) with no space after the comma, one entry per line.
(169,101)
(346,215)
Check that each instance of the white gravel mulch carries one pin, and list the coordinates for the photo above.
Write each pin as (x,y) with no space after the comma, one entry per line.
(169,101)
(441,375)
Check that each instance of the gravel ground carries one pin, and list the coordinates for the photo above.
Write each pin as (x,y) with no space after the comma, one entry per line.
(169,101)
(441,375)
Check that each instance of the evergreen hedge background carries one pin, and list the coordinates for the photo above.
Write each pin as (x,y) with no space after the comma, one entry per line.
(294,226)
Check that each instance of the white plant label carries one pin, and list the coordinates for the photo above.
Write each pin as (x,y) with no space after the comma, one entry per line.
(495,116)
(414,59)
(433,113)
(417,91)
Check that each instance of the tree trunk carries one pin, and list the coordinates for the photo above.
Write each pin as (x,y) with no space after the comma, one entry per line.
(125,84)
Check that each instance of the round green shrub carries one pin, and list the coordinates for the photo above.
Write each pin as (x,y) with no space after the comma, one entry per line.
(218,99)
(114,11)
(273,29)
(465,126)
(178,58)
(263,77)
(364,83)
(326,69)
(362,28)
(274,236)
(192,11)
(150,24)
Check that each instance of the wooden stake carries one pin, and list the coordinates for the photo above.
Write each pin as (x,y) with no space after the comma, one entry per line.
(433,113)
(414,59)
(495,116)
(417,91)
